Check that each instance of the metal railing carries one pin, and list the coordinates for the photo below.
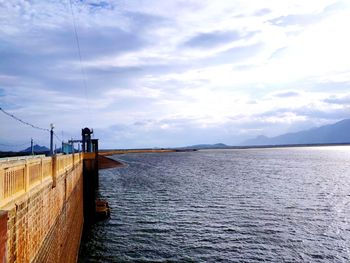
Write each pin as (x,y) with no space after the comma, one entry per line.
(18,176)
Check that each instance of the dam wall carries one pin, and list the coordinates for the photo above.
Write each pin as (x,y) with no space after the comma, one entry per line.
(41,208)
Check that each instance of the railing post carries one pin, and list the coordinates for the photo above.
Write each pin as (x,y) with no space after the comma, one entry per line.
(42,169)
(26,174)
(54,170)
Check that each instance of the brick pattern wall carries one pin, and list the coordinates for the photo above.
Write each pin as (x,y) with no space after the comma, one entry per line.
(62,242)
(3,235)
(46,225)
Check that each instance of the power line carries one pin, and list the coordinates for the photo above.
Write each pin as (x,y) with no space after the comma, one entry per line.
(29,124)
(22,121)
(79,52)
(57,137)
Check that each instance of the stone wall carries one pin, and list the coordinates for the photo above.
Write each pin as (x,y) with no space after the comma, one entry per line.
(45,223)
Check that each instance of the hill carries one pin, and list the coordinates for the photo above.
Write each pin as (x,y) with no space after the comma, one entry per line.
(334,133)
(37,148)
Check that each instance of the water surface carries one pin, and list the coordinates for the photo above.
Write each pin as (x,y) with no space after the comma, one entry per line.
(255,205)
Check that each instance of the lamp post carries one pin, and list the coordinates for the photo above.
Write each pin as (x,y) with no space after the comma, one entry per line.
(51,139)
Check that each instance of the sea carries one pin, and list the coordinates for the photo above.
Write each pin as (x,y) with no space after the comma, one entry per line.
(244,205)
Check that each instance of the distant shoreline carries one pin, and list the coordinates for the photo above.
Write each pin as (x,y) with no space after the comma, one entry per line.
(109,152)
(125,151)
(274,146)
(285,146)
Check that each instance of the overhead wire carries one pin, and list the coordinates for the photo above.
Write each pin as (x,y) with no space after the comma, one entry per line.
(28,124)
(82,69)
(83,78)
(83,74)
(57,137)
(22,121)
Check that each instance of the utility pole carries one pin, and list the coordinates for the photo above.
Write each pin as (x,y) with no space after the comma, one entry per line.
(31,146)
(51,139)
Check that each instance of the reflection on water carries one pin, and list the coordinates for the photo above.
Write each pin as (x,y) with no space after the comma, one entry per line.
(275,205)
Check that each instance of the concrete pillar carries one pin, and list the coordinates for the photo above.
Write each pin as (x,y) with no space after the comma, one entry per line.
(90,171)
(3,235)
(54,170)
(94,144)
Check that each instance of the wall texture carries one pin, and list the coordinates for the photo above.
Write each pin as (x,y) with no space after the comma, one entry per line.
(63,240)
(3,235)
(45,223)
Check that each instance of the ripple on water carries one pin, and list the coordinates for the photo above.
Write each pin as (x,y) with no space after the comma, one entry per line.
(280,205)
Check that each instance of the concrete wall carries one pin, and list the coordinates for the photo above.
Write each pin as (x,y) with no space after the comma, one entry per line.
(45,223)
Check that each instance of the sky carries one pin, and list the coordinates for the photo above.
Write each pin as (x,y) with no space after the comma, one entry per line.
(172,73)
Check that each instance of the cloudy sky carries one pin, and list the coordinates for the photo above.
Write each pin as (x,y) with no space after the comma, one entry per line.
(172,72)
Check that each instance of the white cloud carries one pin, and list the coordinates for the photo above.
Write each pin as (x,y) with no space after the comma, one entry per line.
(142,62)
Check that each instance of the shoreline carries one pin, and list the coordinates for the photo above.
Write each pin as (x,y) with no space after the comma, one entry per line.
(113,152)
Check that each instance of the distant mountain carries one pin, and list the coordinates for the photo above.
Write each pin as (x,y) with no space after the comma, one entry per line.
(207,146)
(37,148)
(334,133)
